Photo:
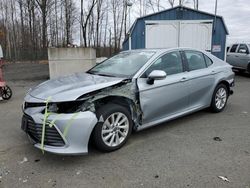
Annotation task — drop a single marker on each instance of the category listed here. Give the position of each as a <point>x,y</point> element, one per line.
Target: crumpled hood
<point>71,87</point>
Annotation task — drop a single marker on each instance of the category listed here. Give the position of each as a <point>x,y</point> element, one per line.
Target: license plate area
<point>24,124</point>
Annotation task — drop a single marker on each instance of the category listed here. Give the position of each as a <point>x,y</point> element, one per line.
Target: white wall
<point>66,61</point>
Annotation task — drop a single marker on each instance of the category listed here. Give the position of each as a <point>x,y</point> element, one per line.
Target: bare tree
<point>171,2</point>
<point>85,16</point>
<point>69,7</point>
<point>196,4</point>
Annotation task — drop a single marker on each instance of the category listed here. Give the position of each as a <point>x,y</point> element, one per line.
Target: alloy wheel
<point>221,98</point>
<point>6,92</point>
<point>115,129</point>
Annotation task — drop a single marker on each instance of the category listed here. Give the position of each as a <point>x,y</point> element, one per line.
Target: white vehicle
<point>238,55</point>
<point>1,52</point>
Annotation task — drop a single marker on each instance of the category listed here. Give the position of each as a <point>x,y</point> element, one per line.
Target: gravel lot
<point>180,153</point>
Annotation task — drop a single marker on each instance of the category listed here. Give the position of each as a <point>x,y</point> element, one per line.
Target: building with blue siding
<point>136,38</point>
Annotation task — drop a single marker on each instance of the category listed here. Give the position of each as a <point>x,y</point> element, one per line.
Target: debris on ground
<point>25,180</point>
<point>37,160</point>
<point>156,176</point>
<point>23,161</point>
<point>78,172</point>
<point>244,112</point>
<point>217,139</point>
<point>223,178</point>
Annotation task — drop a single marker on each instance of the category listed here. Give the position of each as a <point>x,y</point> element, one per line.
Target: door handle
<point>213,72</point>
<point>184,79</point>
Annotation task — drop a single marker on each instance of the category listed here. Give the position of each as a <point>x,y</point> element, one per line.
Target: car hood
<point>71,87</point>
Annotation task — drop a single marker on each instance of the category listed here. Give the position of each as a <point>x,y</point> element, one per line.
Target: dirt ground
<point>180,153</point>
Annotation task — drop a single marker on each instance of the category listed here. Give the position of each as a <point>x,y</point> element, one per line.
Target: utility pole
<point>215,15</point>
<point>129,5</point>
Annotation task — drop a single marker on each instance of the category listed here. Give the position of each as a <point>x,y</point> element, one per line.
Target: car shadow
<point>149,132</point>
<point>242,74</point>
<point>168,125</point>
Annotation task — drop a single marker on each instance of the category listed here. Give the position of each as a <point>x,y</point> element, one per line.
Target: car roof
<point>162,50</point>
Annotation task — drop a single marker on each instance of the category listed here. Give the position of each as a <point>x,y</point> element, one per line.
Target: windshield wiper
<point>101,74</point>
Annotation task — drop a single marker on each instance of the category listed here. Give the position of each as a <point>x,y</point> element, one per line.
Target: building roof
<point>177,7</point>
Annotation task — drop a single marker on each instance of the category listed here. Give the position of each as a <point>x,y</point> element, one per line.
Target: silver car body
<point>239,57</point>
<point>166,99</point>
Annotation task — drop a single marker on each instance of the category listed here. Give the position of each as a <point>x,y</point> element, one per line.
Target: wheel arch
<point>119,100</point>
<point>226,83</point>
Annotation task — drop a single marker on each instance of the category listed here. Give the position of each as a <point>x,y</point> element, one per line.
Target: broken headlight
<point>52,108</point>
<point>67,107</point>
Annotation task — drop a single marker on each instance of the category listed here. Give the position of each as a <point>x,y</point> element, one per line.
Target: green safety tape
<point>52,123</point>
<point>68,125</point>
<point>46,115</point>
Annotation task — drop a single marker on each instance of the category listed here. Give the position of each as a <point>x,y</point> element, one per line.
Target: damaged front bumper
<point>74,142</point>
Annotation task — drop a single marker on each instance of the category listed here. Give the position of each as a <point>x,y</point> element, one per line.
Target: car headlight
<point>67,107</point>
<point>52,108</point>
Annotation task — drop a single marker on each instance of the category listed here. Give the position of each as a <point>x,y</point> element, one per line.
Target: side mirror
<point>156,75</point>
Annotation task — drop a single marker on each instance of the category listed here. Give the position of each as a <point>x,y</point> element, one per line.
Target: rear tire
<point>6,92</point>
<point>113,128</point>
<point>219,100</point>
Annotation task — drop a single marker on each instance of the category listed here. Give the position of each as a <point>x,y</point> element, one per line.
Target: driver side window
<point>171,63</point>
<point>243,49</point>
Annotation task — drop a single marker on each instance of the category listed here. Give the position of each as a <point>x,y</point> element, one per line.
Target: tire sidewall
<point>102,114</point>
<point>213,104</point>
<point>6,86</point>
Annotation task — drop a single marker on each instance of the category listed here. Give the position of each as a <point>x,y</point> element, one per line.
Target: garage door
<point>167,34</point>
<point>156,36</point>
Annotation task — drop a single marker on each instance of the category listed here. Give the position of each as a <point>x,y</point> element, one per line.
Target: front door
<point>165,97</point>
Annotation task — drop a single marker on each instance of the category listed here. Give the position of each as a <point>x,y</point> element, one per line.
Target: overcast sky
<point>236,14</point>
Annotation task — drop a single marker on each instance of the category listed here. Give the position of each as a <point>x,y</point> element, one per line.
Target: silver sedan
<point>133,90</point>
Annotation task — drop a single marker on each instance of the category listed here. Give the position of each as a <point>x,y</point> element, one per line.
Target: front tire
<point>219,99</point>
<point>113,128</point>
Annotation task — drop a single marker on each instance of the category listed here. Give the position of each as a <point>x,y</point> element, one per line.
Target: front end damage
<point>68,126</point>
<point>124,93</point>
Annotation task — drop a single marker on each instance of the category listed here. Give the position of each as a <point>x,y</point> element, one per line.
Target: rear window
<point>208,60</point>
<point>195,60</point>
<point>234,47</point>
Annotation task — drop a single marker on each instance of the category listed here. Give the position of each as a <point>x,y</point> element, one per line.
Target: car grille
<point>31,105</point>
<point>51,138</point>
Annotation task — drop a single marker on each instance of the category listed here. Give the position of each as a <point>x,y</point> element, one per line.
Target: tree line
<point>29,27</point>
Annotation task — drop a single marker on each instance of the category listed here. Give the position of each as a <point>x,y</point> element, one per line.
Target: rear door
<point>165,97</point>
<point>201,78</point>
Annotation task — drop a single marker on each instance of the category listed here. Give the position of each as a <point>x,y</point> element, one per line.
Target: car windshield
<point>125,64</point>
